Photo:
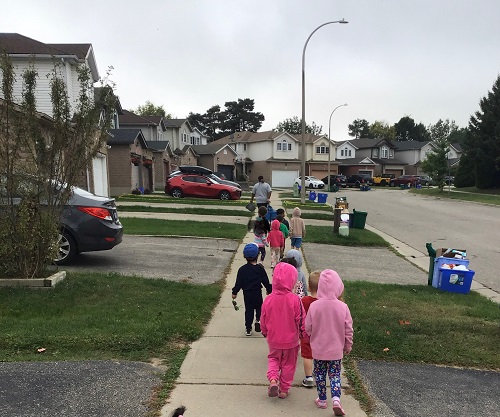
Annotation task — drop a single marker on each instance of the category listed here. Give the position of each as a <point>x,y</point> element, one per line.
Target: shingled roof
<point>126,137</point>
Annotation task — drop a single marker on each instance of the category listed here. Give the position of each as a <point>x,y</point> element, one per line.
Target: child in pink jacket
<point>282,323</point>
<point>329,326</point>
<point>275,240</point>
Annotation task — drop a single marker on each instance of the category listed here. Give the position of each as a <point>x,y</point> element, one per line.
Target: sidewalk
<point>224,373</point>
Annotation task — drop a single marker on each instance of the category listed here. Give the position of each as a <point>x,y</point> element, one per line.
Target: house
<point>368,156</point>
<point>179,132</point>
<point>65,59</point>
<point>162,157</point>
<point>277,156</point>
<point>198,138</point>
<point>132,161</point>
<point>153,127</point>
<point>218,158</point>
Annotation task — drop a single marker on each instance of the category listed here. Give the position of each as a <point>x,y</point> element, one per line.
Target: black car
<point>88,223</point>
<point>337,179</point>
<point>357,180</point>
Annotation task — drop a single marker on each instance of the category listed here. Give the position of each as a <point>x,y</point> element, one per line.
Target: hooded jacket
<point>295,254</point>
<point>297,226</point>
<point>275,236</point>
<point>283,315</point>
<point>329,321</point>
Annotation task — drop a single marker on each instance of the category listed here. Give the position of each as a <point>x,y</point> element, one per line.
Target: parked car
<point>310,182</point>
<point>356,180</point>
<point>338,179</point>
<point>426,180</point>
<point>195,185</point>
<point>410,180</point>
<point>449,179</point>
<point>383,179</point>
<point>191,169</point>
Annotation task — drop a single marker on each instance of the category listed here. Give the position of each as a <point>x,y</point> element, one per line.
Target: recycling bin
<point>359,219</point>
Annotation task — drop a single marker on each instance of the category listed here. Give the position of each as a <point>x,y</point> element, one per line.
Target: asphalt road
<point>416,220</point>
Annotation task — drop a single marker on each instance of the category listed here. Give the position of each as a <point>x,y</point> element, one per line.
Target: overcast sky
<point>428,59</point>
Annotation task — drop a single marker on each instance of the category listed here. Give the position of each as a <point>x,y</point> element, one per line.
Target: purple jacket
<point>283,315</point>
<point>329,321</point>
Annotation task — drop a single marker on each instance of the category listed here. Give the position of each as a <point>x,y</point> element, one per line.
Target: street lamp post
<point>330,141</point>
<point>303,142</point>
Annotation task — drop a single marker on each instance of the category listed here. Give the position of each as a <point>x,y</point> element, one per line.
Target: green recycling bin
<point>334,188</point>
<point>359,219</point>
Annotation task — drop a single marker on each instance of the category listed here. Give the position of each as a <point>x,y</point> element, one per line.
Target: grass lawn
<point>308,205</point>
<point>357,237</point>
<point>158,227</point>
<point>159,198</point>
<point>186,210</point>
<point>465,194</point>
<point>99,316</point>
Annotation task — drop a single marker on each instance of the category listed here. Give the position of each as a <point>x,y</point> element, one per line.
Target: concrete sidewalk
<point>224,373</point>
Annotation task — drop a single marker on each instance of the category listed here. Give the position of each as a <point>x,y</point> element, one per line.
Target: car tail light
<point>98,212</point>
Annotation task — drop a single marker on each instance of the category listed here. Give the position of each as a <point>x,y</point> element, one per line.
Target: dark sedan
<point>337,179</point>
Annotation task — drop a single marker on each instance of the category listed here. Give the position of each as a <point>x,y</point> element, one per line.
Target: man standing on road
<point>261,192</point>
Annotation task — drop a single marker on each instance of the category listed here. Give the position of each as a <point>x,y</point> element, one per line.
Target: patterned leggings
<point>321,368</point>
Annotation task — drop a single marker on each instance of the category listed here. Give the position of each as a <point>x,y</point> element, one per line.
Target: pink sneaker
<point>337,409</point>
<point>273,389</point>
<point>320,403</point>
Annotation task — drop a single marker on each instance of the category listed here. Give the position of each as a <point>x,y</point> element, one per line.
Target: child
<point>282,323</point>
<point>266,226</point>
<point>297,228</point>
<point>305,346</point>
<point>275,239</point>
<point>281,212</point>
<point>329,325</point>
<point>301,287</point>
<point>284,230</point>
<point>251,278</point>
<point>260,239</point>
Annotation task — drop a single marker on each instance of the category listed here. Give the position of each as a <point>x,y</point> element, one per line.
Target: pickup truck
<point>383,179</point>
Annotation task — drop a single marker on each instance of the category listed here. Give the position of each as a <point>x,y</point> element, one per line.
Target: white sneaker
<point>308,382</point>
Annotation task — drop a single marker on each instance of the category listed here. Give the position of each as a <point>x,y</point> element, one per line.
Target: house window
<point>349,152</point>
<point>225,151</point>
<point>375,153</point>
<point>283,146</point>
<point>322,149</point>
<point>391,153</point>
<point>384,152</point>
<point>341,152</point>
<point>244,146</point>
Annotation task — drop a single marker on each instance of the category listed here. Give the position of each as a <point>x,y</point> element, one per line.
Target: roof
<point>249,137</point>
<point>130,118</point>
<point>175,122</point>
<point>158,145</point>
<point>211,148</point>
<point>17,44</point>
<point>126,137</point>
<point>406,145</point>
<point>356,161</point>
<point>366,143</point>
<point>388,161</point>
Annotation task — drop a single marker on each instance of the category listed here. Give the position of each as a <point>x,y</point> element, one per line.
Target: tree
<point>436,162</point>
<point>294,127</point>
<point>380,129</point>
<point>482,144</point>
<point>238,116</point>
<point>41,157</point>
<point>406,129</point>
<point>151,109</point>
<point>359,128</point>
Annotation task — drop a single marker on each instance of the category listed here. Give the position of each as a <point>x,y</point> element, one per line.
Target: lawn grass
<point>357,237</point>
<point>186,210</point>
<point>158,198</point>
<point>465,194</point>
<point>103,316</point>
<point>158,227</point>
<point>308,205</point>
<point>443,328</point>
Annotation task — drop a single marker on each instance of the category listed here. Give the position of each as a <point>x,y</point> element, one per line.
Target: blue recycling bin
<point>312,196</point>
<point>322,198</point>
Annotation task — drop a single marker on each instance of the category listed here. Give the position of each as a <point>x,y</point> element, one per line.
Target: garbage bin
<point>351,220</point>
<point>432,257</point>
<point>312,196</point>
<point>334,188</point>
<point>322,198</point>
<point>296,189</point>
<point>359,219</point>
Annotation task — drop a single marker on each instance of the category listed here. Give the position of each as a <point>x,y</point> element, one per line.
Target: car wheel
<point>383,183</point>
<point>177,193</point>
<point>392,184</point>
<point>224,195</point>
<point>67,249</point>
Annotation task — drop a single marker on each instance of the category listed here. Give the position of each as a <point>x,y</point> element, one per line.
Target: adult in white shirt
<point>261,192</point>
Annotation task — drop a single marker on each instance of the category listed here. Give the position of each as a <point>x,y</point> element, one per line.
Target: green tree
<point>436,162</point>
<point>41,157</point>
<point>359,128</point>
<point>482,143</point>
<point>294,127</point>
<point>151,109</point>
<point>380,129</point>
<point>407,129</point>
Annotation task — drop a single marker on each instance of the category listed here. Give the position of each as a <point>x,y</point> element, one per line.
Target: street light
<point>303,157</point>
<point>330,141</point>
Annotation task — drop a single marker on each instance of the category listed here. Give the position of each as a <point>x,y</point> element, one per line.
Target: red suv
<point>410,180</point>
<point>195,185</point>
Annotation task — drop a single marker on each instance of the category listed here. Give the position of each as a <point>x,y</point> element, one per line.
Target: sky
<point>427,59</point>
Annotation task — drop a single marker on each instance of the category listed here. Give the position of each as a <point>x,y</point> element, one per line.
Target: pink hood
<point>329,321</point>
<point>283,316</point>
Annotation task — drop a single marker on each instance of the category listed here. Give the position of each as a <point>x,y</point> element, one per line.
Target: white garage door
<point>100,175</point>
<point>284,178</point>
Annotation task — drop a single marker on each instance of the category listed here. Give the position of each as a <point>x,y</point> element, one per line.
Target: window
<point>283,146</point>
<point>384,152</point>
<point>225,151</point>
<point>391,153</point>
<point>375,153</point>
<point>349,152</point>
<point>341,152</point>
<point>322,149</point>
<point>244,146</point>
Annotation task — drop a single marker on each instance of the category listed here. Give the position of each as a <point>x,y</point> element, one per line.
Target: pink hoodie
<point>329,321</point>
<point>275,236</point>
<point>283,315</point>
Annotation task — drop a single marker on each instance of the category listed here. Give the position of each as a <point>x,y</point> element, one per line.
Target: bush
<point>136,191</point>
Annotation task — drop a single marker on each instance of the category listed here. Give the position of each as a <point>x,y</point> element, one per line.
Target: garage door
<point>283,178</point>
<point>100,175</point>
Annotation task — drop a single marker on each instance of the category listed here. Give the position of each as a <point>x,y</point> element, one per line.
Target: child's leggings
<point>321,369</point>
<point>262,251</point>
<point>281,364</point>
<point>275,255</point>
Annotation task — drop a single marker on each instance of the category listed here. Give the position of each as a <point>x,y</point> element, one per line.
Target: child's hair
<point>262,211</point>
<point>313,281</point>
<point>179,412</point>
<point>280,211</point>
<point>290,261</point>
<point>258,227</point>
<point>279,217</point>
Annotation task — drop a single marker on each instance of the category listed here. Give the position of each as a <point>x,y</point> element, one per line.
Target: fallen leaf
<point>363,293</point>
<point>404,322</point>
<point>386,349</point>
<point>41,350</point>
<point>388,332</point>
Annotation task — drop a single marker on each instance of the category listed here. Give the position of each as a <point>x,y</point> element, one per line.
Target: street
<point>416,220</point>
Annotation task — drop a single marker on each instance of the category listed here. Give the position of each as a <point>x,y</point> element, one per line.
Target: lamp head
<point>343,21</point>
